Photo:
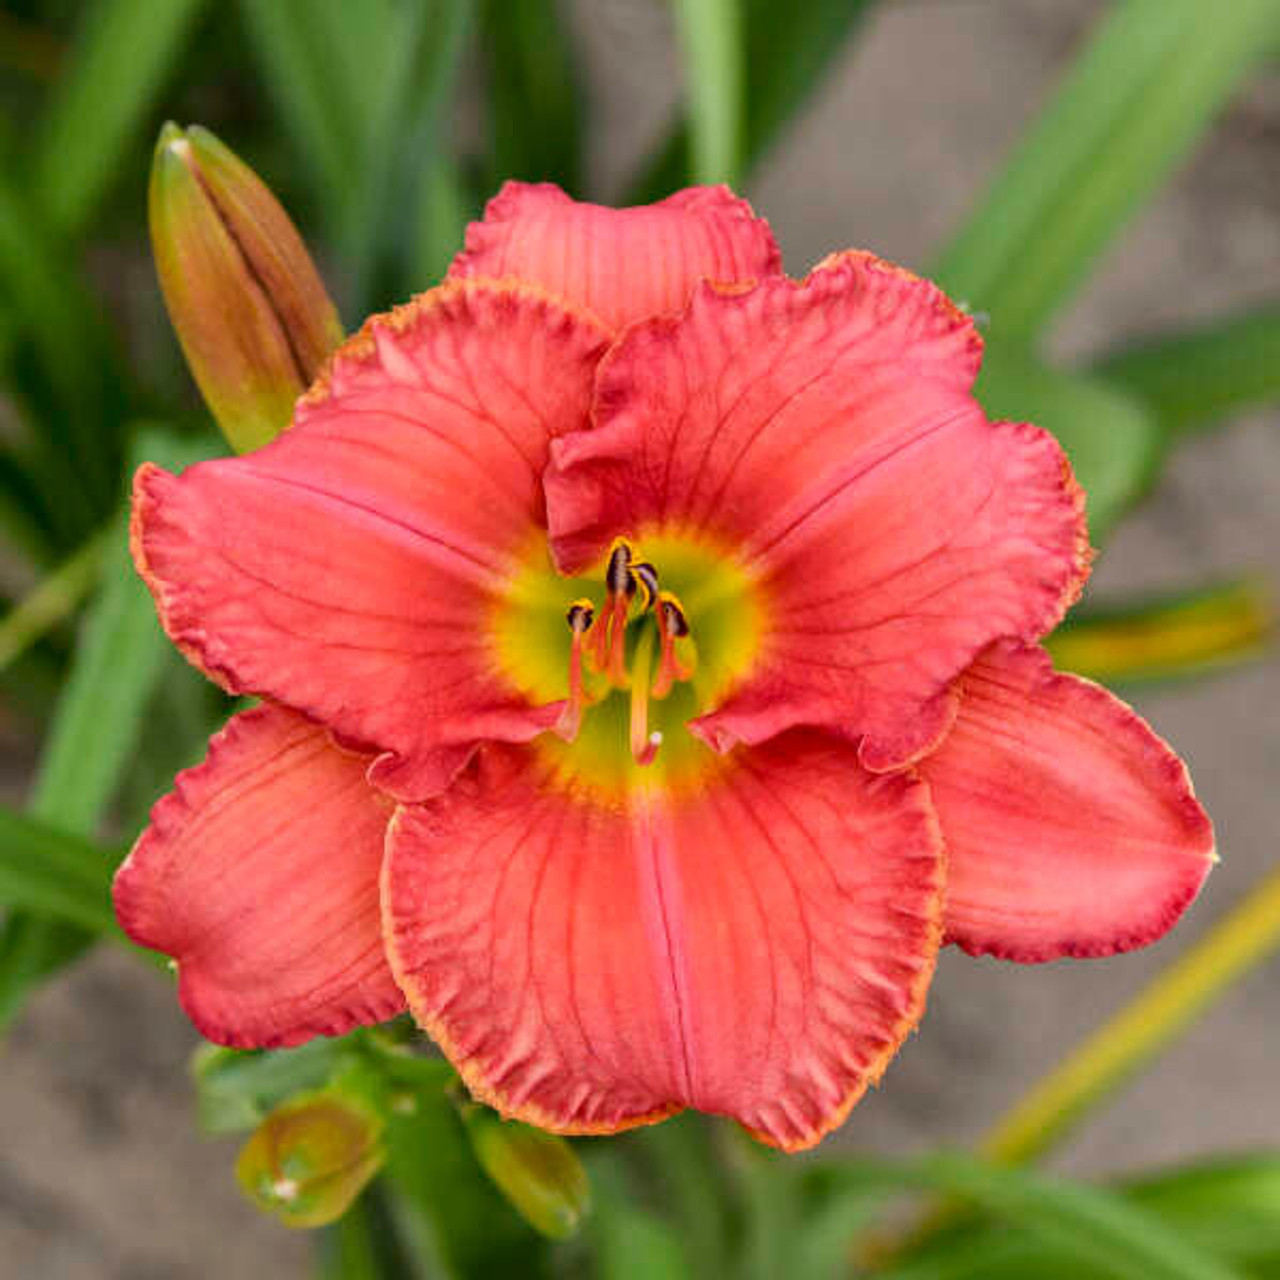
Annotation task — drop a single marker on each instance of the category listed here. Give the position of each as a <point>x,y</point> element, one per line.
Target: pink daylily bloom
<point>648,648</point>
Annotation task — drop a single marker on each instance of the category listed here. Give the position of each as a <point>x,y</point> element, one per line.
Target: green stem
<point>1166,1007</point>
<point>685,1165</point>
<point>53,599</point>
<point>1132,106</point>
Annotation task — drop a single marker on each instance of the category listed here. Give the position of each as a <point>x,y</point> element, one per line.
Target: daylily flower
<point>648,648</point>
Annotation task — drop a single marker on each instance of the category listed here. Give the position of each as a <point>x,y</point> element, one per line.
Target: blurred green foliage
<point>382,176</point>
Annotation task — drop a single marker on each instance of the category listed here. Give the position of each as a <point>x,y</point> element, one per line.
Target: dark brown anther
<point>617,578</point>
<point>647,576</point>
<point>580,615</point>
<point>673,617</point>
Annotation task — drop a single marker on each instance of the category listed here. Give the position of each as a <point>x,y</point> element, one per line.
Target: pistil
<point>644,745</point>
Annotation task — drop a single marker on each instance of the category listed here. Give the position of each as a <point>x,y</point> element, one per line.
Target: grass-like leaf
<point>122,54</point>
<point>1104,1232</point>
<point>62,372</point>
<point>118,664</point>
<point>54,598</point>
<point>1170,637</point>
<point>534,99</point>
<point>47,870</point>
<point>715,91</point>
<point>1230,1204</point>
<point>1227,1207</point>
<point>1130,108</point>
<point>789,51</point>
<point>1193,380</point>
<point>305,69</point>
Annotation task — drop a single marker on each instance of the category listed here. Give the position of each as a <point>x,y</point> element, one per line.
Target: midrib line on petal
<point>654,847</point>
<point>471,560</point>
<point>767,540</point>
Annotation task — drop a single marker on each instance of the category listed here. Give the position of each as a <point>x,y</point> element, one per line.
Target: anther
<point>617,578</point>
<point>673,615</point>
<point>647,576</point>
<point>579,616</point>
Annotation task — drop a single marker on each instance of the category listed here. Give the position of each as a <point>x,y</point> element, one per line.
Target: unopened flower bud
<point>311,1157</point>
<point>539,1173</point>
<point>248,305</point>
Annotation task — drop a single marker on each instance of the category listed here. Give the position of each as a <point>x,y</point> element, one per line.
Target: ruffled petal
<point>351,568</point>
<point>620,264</point>
<point>826,435</point>
<point>756,946</point>
<point>259,876</point>
<point>1071,828</point>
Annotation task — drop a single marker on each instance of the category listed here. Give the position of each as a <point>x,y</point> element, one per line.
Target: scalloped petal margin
<point>825,434</point>
<point>259,876</point>
<point>1071,828</point>
<point>758,947</point>
<point>621,265</point>
<point>349,568</point>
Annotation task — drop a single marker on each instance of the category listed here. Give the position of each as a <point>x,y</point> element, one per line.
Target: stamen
<point>644,745</point>
<point>608,640</point>
<point>579,616</point>
<point>673,625</point>
<point>598,640</point>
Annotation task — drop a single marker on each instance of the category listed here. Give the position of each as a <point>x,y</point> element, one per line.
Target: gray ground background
<point>101,1171</point>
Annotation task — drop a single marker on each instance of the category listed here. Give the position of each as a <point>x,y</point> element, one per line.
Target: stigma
<point>613,648</point>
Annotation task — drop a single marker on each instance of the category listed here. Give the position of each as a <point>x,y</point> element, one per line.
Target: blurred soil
<point>102,1173</point>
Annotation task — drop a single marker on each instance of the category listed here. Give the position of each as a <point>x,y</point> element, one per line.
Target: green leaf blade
<point>1130,109</point>
<point>46,870</point>
<point>1114,444</point>
<point>124,50</point>
<point>1193,380</point>
<point>788,53</point>
<point>1113,1237</point>
<point>711,39</point>
<point>1168,637</point>
<point>534,95</point>
<point>119,664</point>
